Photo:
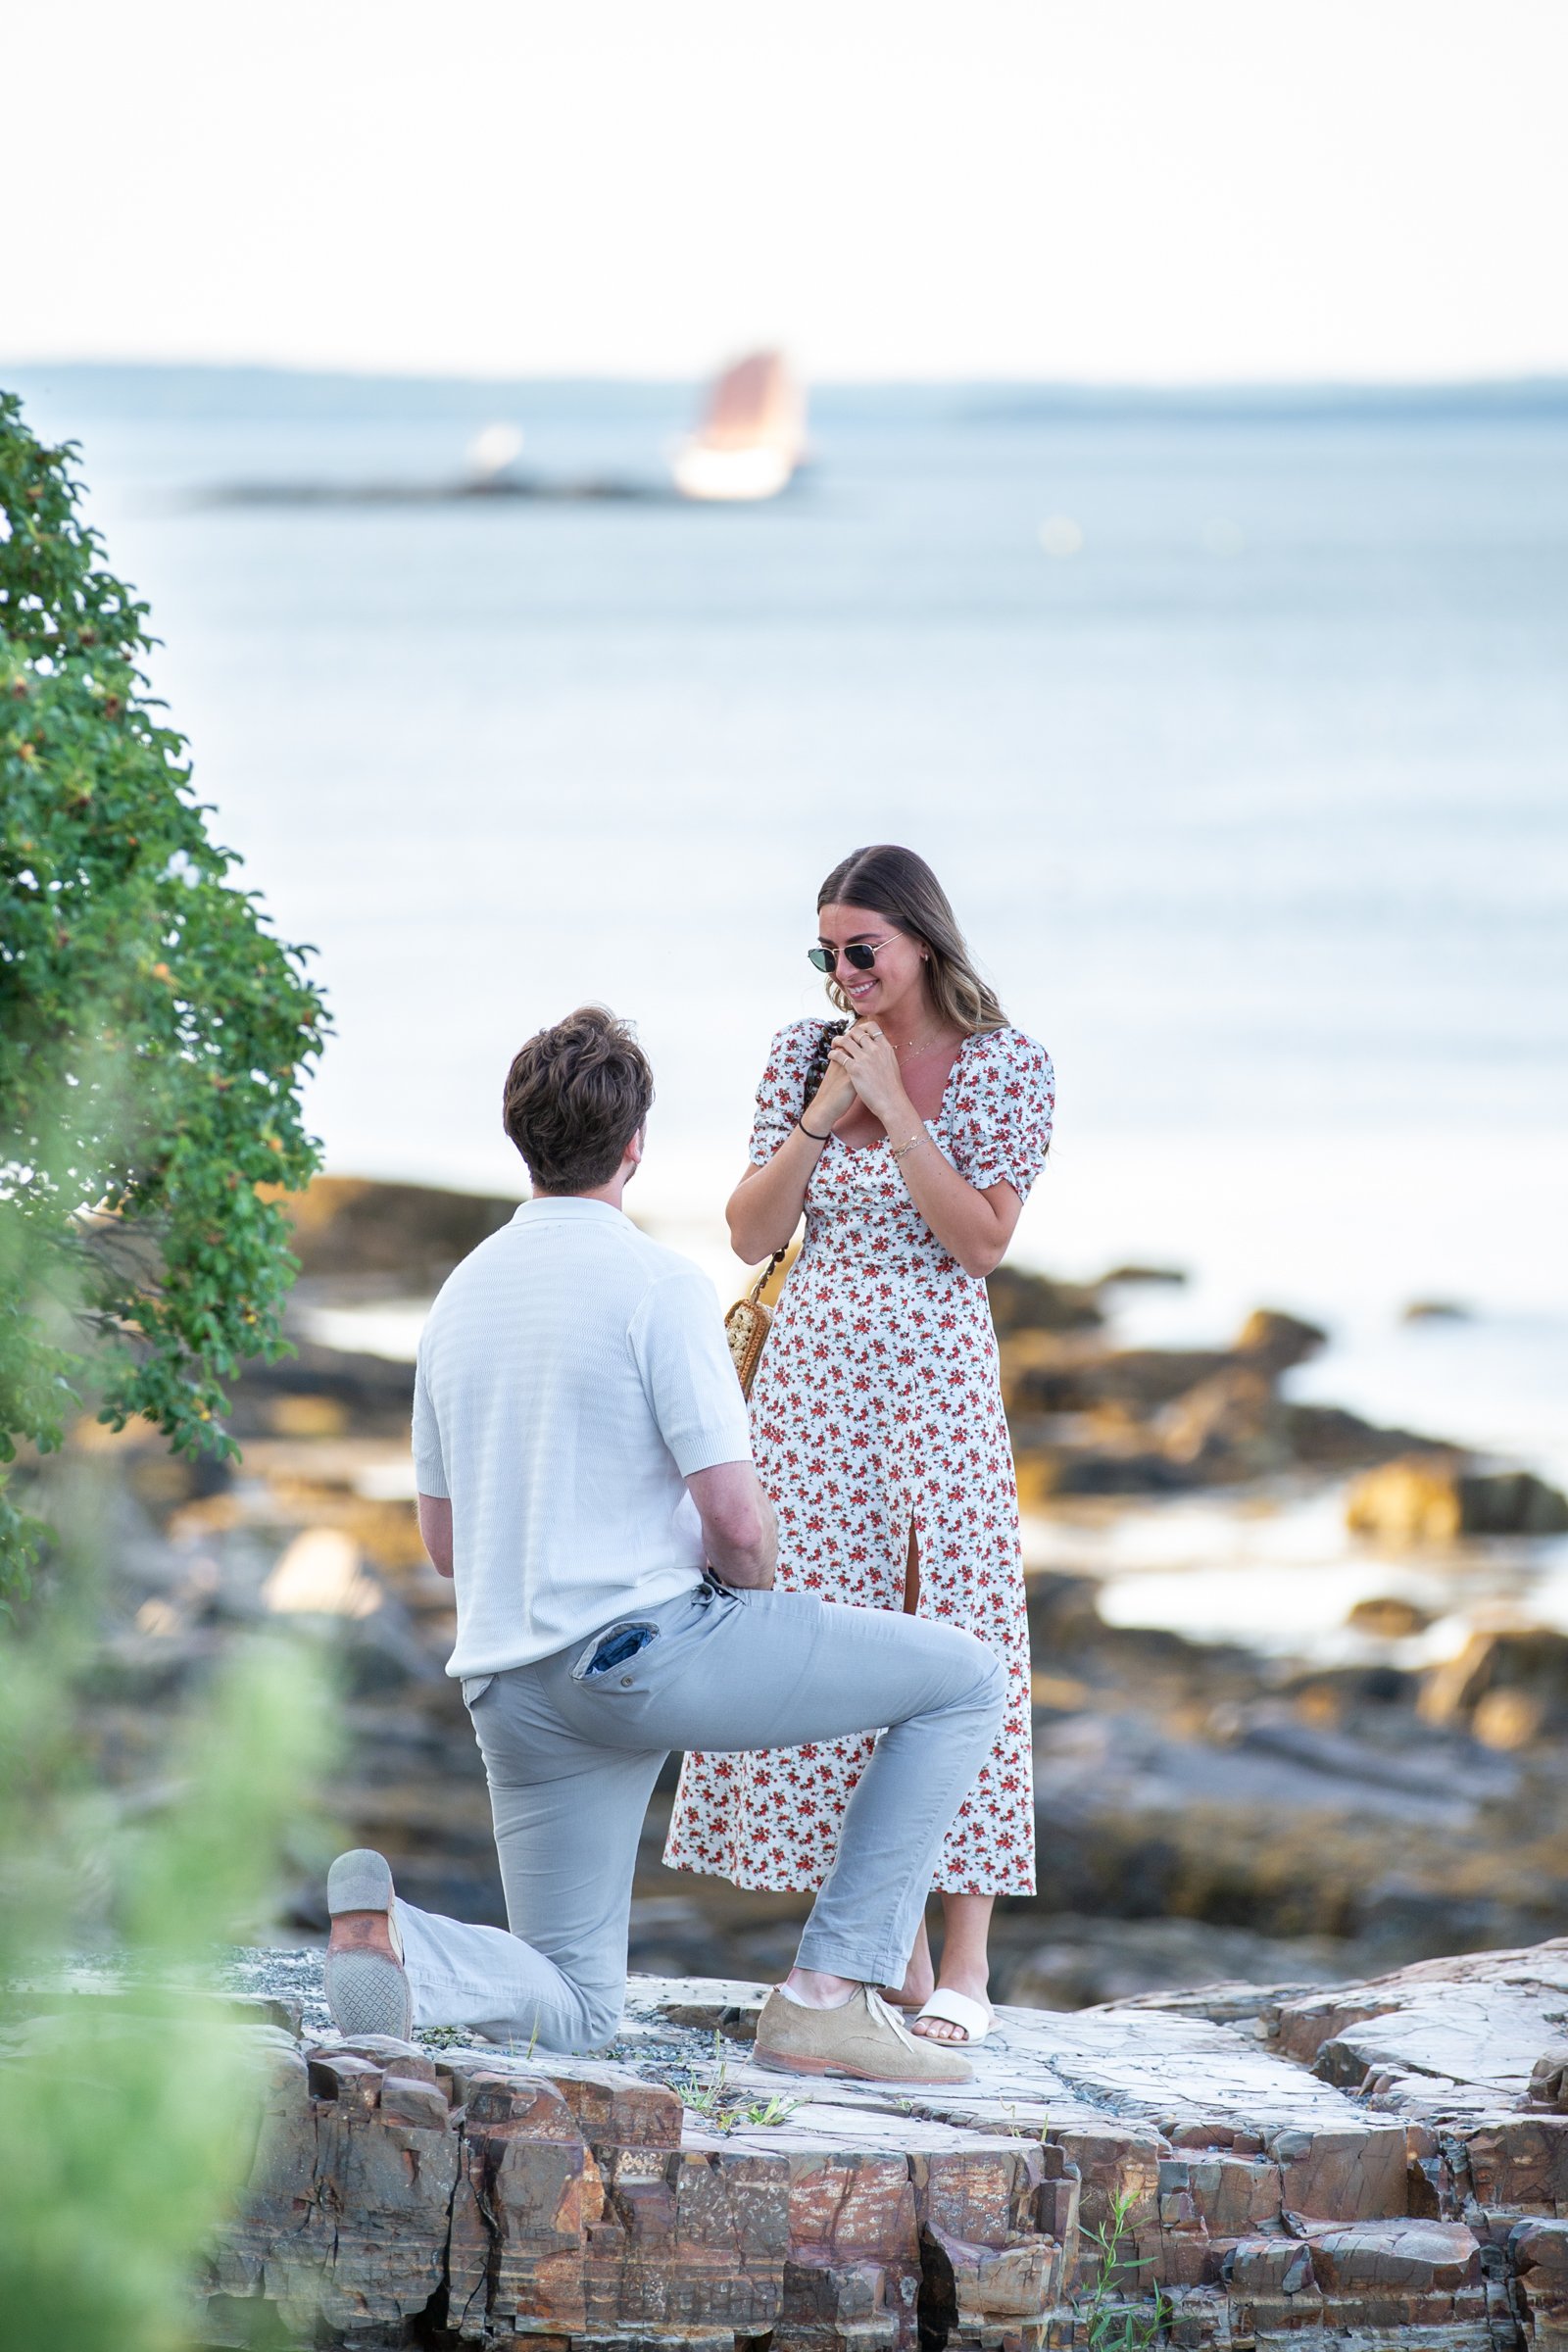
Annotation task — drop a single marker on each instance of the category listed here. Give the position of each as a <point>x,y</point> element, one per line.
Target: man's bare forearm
<point>749,1566</point>
<point>740,1533</point>
<point>435,1528</point>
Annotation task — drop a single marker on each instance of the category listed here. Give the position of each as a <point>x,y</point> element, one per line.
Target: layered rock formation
<point>1378,2165</point>
<point>1091,1418</point>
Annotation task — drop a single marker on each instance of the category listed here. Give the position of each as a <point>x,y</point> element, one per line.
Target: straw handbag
<point>747,1326</point>
<point>748,1321</point>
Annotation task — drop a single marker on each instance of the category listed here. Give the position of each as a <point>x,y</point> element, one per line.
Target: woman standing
<point>876,1417</point>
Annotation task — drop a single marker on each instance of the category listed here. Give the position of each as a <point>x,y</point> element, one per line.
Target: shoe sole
<point>367,1992</point>
<point>858,2073</point>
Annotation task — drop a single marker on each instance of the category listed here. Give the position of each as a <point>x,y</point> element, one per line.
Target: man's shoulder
<point>614,1252</point>
<point>659,1267</point>
<point>603,1260</point>
<point>481,1266</point>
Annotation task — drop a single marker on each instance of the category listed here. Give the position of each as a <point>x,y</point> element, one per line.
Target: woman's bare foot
<point>966,1927</point>
<point>919,1978</point>
<point>971,1982</point>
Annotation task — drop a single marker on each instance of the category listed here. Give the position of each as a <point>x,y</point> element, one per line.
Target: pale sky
<point>1128,189</point>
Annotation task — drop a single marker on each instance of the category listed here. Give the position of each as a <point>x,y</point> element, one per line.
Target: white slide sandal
<point>956,2009</point>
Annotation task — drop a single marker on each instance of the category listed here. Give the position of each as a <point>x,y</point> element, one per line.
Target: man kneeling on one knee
<point>584,1472</point>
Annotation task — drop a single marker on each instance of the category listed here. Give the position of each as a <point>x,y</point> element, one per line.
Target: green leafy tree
<point>152,1029</point>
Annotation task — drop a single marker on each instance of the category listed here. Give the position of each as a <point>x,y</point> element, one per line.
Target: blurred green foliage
<point>129,2116</point>
<point>152,1030</point>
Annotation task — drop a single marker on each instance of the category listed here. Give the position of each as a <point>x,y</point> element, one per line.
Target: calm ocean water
<point>1255,807</point>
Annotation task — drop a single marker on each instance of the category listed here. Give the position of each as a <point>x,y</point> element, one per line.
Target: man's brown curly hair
<point>575,1098</point>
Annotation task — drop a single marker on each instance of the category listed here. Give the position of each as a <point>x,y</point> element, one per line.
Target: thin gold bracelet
<point>917,1137</point>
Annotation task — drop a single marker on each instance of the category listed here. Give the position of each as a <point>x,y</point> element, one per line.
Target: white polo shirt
<point>571,1375</point>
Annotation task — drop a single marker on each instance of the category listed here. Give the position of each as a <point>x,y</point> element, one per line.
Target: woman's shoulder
<point>1007,1053</point>
<point>1005,1103</point>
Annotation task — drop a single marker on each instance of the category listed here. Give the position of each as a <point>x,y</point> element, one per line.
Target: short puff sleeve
<point>1004,1103</point>
<point>781,1091</point>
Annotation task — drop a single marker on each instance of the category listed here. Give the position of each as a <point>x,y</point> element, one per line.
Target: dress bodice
<point>993,1125</point>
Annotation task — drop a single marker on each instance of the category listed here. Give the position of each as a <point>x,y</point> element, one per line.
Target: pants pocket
<point>616,1646</point>
<point>474,1686</point>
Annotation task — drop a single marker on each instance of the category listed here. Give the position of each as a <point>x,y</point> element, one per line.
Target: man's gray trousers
<point>572,1747</point>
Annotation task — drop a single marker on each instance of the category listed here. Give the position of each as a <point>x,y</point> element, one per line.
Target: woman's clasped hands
<point>869,1062</point>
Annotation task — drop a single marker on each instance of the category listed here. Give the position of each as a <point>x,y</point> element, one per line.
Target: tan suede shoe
<point>862,2039</point>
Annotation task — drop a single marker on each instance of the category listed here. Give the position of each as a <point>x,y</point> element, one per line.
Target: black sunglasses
<point>861,954</point>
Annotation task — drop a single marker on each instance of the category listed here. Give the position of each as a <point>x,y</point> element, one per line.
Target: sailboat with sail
<point>753,437</point>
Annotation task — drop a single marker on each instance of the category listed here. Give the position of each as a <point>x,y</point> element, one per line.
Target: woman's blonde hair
<point>895,883</point>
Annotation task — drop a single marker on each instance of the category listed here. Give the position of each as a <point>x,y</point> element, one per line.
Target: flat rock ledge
<point>1382,2164</point>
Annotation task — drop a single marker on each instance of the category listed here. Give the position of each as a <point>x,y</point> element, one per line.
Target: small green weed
<point>1112,2323</point>
<point>724,2108</point>
<point>776,2110</point>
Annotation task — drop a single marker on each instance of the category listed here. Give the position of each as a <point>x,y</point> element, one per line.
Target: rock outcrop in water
<point>1377,2165</point>
<point>1090,1418</point>
<point>1433,1497</point>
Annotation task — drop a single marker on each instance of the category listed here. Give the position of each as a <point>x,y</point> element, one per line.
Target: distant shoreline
<point>1540,398</point>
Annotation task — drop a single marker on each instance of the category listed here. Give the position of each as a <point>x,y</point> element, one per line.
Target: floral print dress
<point>877,1407</point>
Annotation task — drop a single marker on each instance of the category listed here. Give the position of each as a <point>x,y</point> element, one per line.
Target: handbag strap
<point>816,1071</point>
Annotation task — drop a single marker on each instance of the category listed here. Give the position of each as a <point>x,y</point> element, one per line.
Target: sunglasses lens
<point>862,956</point>
<point>823,959</point>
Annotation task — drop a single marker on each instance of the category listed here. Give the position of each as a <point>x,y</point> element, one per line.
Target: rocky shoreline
<point>1376,2165</point>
